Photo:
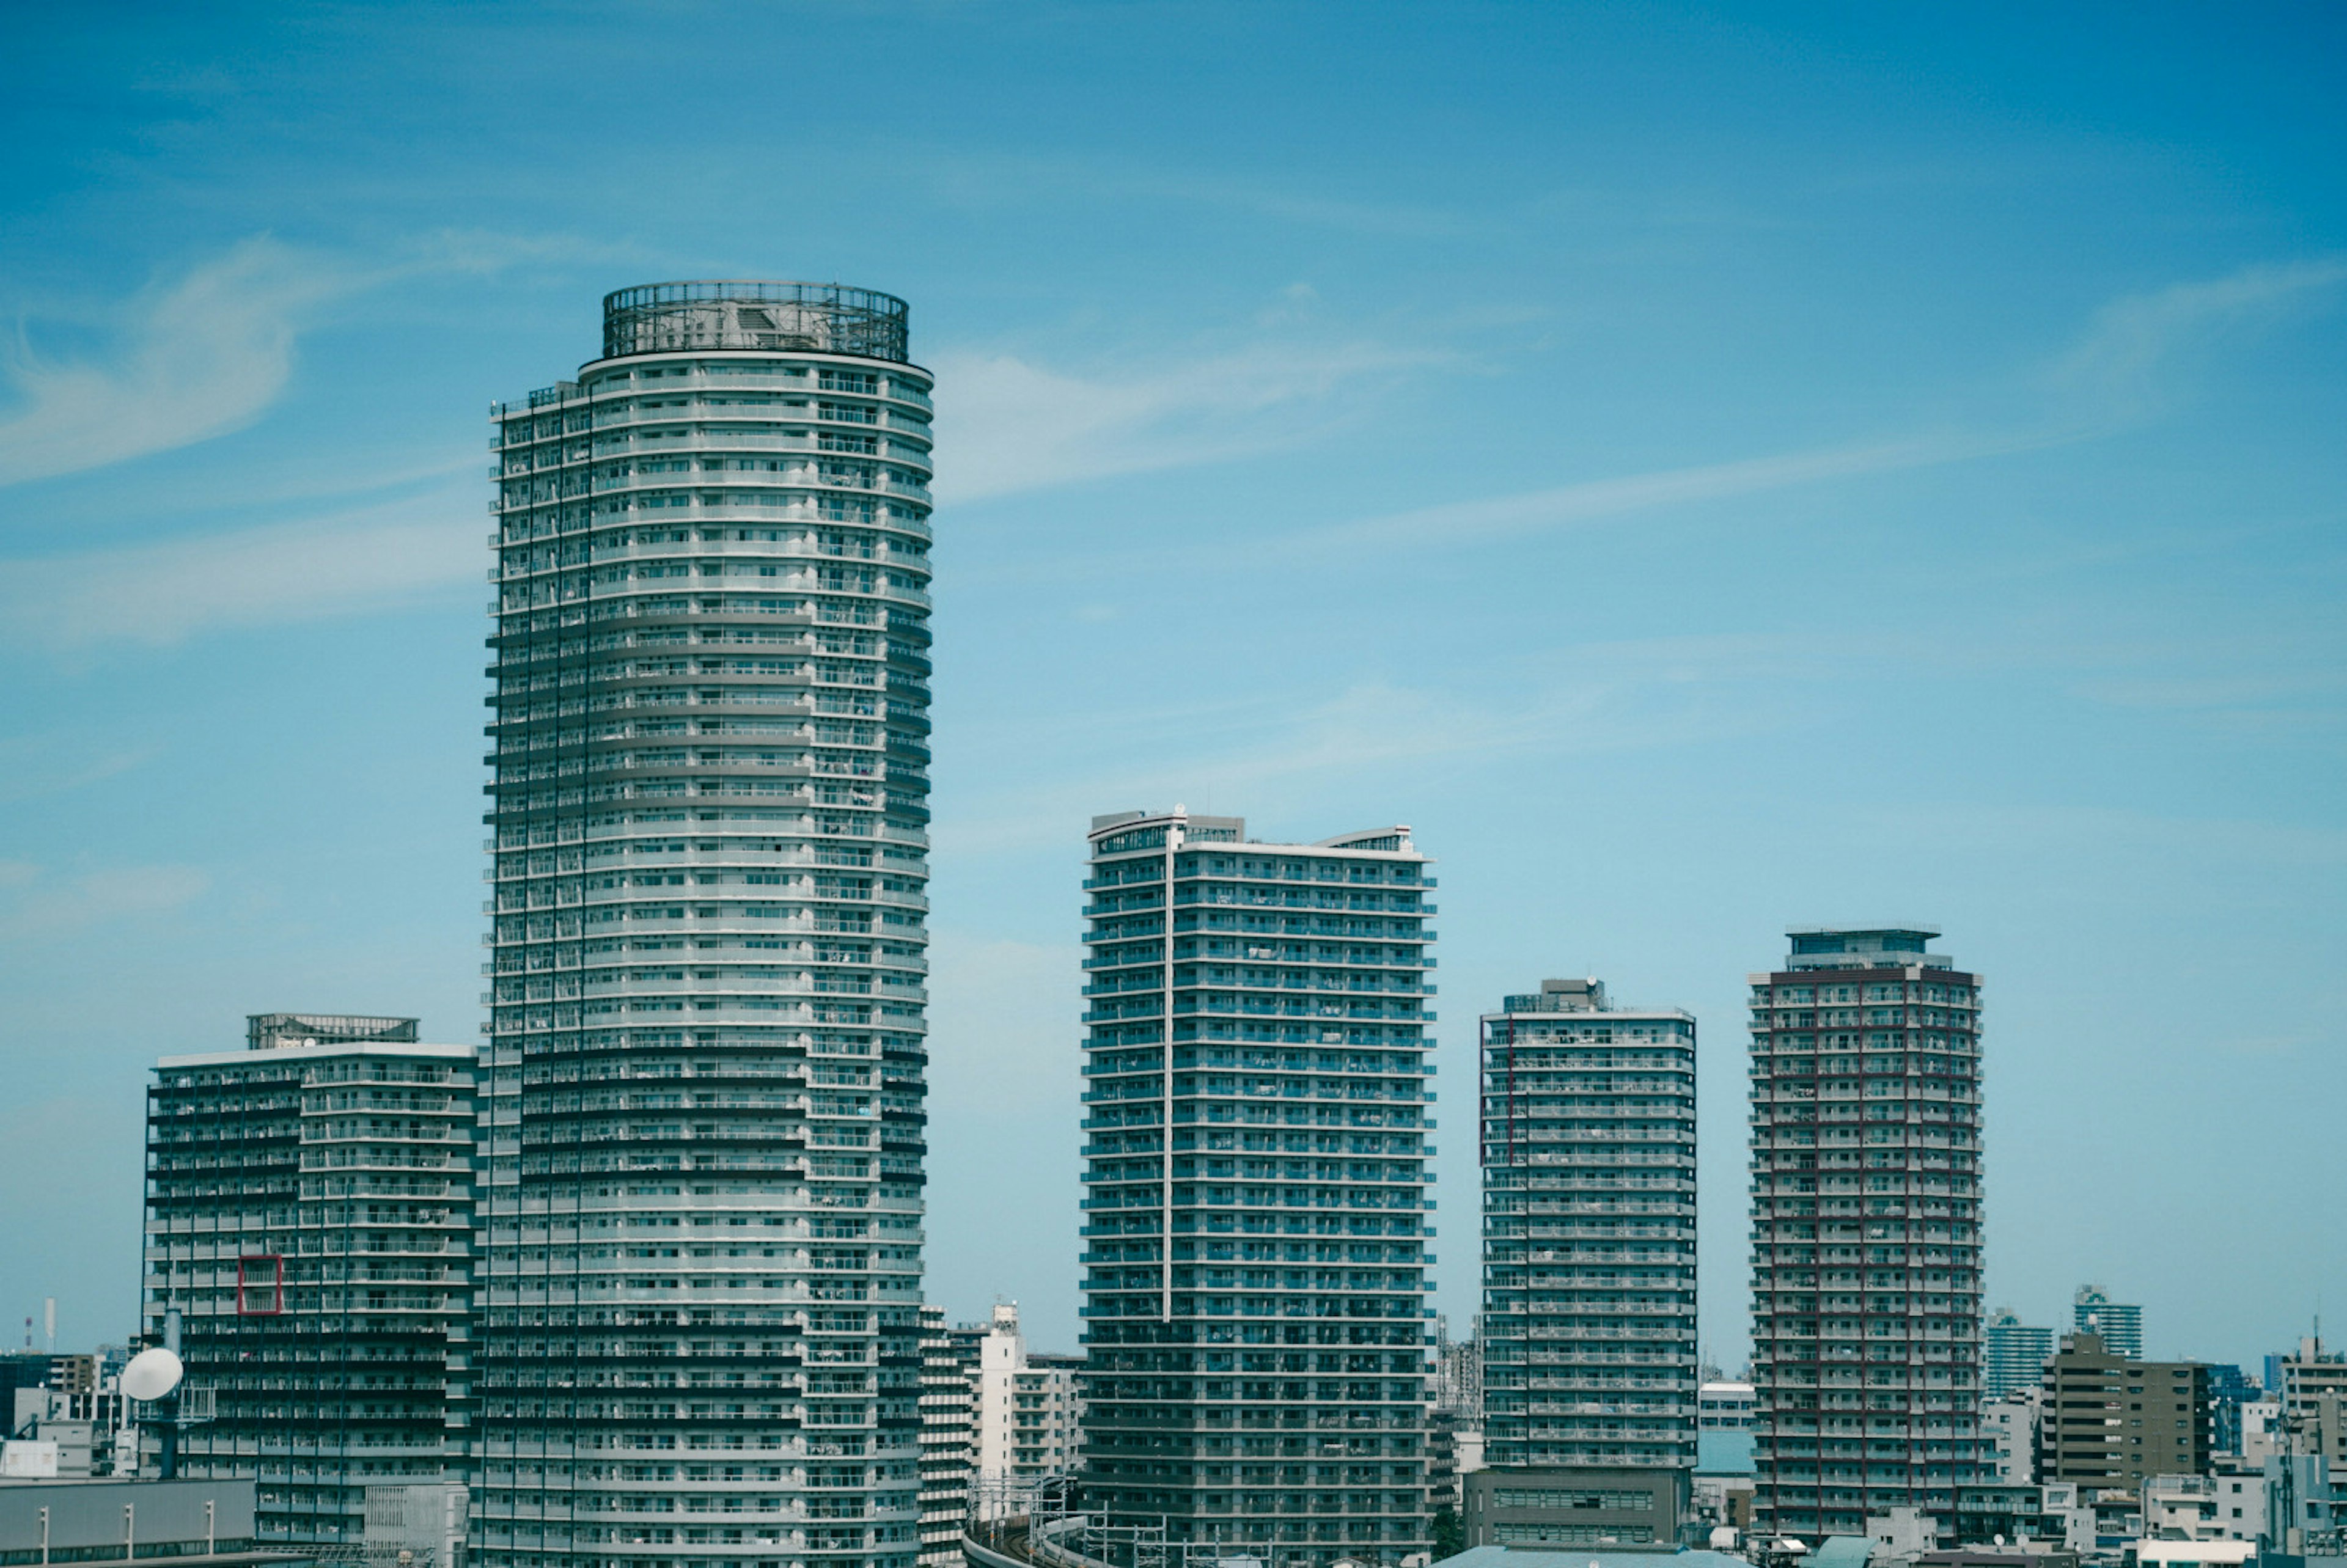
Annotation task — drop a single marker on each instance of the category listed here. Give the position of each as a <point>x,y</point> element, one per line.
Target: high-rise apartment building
<point>2117,1324</point>
<point>1589,1246</point>
<point>699,1337</point>
<point>1866,1230</point>
<point>1257,1188</point>
<point>2013,1354</point>
<point>309,1207</point>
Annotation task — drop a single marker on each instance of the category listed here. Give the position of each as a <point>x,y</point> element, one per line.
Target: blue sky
<point>1706,470</point>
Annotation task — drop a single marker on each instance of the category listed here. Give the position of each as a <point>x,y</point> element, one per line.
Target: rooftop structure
<point>276,1031</point>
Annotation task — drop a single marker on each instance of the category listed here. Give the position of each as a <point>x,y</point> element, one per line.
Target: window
<point>261,1284</point>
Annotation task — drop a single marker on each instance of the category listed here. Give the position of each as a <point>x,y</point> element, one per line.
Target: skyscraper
<point>310,1227</point>
<point>1256,1186</point>
<point>2013,1354</point>
<point>697,1321</point>
<point>1589,1246</point>
<point>1866,1221</point>
<point>2118,1325</point>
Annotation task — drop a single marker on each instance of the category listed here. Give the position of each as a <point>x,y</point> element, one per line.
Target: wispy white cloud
<point>36,765</point>
<point>165,592</point>
<point>2122,370</point>
<point>33,904</point>
<point>1587,700</point>
<point>2120,373</point>
<point>1006,424</point>
<point>204,356</point>
<point>208,354</point>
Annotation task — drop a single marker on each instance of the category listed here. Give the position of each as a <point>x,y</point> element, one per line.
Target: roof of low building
<point>1582,1557</point>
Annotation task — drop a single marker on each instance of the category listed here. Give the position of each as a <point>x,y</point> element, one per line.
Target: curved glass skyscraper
<point>697,1312</point>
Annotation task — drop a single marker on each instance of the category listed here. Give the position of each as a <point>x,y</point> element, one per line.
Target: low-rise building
<point>203,1523</point>
<point>1576,1505</point>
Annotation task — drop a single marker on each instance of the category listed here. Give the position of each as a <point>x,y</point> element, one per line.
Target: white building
<point>1724,1406</point>
<point>2313,1396</point>
<point>2261,1429</point>
<point>2226,1506</point>
<point>2009,1439</point>
<point>1027,1405</point>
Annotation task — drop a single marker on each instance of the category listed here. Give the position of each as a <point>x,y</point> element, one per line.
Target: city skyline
<point>1809,390</point>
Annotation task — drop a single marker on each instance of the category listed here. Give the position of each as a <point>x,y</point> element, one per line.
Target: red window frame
<point>251,1277</point>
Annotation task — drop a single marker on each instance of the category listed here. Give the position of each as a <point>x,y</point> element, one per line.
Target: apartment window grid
<point>1255,1188</point>
<point>310,1219</point>
<point>1866,1230</point>
<point>699,1335</point>
<point>1589,1344</point>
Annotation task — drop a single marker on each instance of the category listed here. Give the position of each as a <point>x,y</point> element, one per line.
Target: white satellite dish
<point>151,1374</point>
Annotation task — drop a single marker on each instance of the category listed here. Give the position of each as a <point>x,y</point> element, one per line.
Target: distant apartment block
<point>2117,1324</point>
<point>310,1206</point>
<point>1866,1227</point>
<point>2012,1354</point>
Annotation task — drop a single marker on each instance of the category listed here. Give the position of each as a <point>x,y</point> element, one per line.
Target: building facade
<point>2109,1421</point>
<point>1589,1246</point>
<point>698,1336</point>
<point>2312,1392</point>
<point>1866,1230</point>
<point>2009,1433</point>
<point>1257,1188</point>
<point>2118,1325</point>
<point>2012,1354</point>
<point>949,1439</point>
<point>310,1212</point>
